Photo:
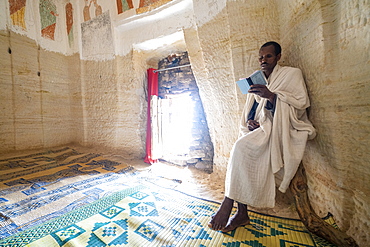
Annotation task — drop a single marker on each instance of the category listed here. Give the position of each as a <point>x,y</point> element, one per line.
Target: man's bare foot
<point>239,219</point>
<point>220,219</point>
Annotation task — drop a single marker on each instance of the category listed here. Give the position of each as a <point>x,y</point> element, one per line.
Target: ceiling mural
<point>148,5</point>
<point>62,21</point>
<point>97,38</point>
<point>124,5</point>
<point>98,9</point>
<point>48,15</point>
<point>17,8</point>
<point>69,22</point>
<point>86,10</point>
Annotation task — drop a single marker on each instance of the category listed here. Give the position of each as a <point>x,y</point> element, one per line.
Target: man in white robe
<point>273,136</point>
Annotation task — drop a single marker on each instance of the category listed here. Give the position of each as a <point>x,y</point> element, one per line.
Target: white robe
<point>276,147</point>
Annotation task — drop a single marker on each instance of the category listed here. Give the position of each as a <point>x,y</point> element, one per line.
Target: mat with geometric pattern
<point>62,197</point>
<point>149,215</point>
<point>37,187</point>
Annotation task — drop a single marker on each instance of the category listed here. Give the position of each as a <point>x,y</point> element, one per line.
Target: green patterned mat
<point>149,215</point>
<point>62,197</point>
<point>38,187</point>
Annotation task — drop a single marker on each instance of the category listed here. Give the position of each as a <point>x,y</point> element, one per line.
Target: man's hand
<point>252,125</point>
<point>262,91</point>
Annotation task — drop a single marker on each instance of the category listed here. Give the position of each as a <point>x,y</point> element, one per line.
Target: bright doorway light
<point>177,121</point>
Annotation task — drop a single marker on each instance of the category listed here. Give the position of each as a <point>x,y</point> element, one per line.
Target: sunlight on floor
<point>193,181</point>
<point>169,171</point>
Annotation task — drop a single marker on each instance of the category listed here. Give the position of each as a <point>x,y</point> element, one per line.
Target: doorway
<point>181,135</point>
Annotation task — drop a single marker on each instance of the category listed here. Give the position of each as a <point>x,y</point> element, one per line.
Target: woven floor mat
<point>38,187</point>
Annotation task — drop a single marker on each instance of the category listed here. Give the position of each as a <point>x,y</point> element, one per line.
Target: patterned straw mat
<point>120,208</point>
<point>38,187</point>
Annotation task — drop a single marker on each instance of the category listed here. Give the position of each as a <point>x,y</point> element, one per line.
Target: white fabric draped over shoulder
<point>276,146</point>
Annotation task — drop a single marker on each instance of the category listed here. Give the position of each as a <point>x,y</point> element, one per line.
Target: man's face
<point>267,58</point>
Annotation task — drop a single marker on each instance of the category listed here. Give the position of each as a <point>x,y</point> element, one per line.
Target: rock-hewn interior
<point>66,80</point>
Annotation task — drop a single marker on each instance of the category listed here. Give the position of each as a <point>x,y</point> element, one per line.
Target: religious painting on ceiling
<point>86,9</point>
<point>69,22</point>
<point>98,9</point>
<point>123,5</point>
<point>148,5</point>
<point>48,15</point>
<point>97,38</point>
<point>17,9</point>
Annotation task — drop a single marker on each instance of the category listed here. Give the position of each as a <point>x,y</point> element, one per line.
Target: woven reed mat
<point>66,198</point>
<point>149,215</point>
<point>41,186</point>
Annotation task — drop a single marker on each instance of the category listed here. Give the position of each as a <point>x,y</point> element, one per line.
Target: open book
<point>256,78</point>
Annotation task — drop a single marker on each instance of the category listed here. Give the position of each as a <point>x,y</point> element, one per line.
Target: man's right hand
<point>252,125</point>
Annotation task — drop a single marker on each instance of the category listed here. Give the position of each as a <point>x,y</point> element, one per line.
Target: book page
<point>258,78</point>
<point>243,85</point>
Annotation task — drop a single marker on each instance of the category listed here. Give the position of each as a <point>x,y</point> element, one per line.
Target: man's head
<point>276,46</point>
<point>269,55</point>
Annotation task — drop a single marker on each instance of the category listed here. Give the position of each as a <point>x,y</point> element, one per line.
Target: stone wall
<point>113,104</point>
<point>40,104</point>
<point>50,99</point>
<point>210,53</point>
<point>324,37</point>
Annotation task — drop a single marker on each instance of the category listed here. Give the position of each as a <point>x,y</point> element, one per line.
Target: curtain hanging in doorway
<point>152,90</point>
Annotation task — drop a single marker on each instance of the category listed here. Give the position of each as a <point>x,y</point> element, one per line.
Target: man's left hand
<point>262,91</point>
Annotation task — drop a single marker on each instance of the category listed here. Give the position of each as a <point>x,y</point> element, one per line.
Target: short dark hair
<point>277,47</point>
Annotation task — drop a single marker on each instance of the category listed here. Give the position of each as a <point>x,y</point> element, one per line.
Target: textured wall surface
<point>334,36</point>
<point>218,81</point>
<point>37,95</point>
<point>112,105</point>
<point>50,99</point>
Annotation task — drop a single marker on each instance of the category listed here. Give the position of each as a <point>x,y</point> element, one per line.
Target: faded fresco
<point>17,8</point>
<point>98,9</point>
<point>123,5</point>
<point>48,14</point>
<point>97,38</point>
<point>69,23</point>
<point>86,11</point>
<point>148,5</point>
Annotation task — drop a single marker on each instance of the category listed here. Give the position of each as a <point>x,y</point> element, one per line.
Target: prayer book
<point>256,78</point>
